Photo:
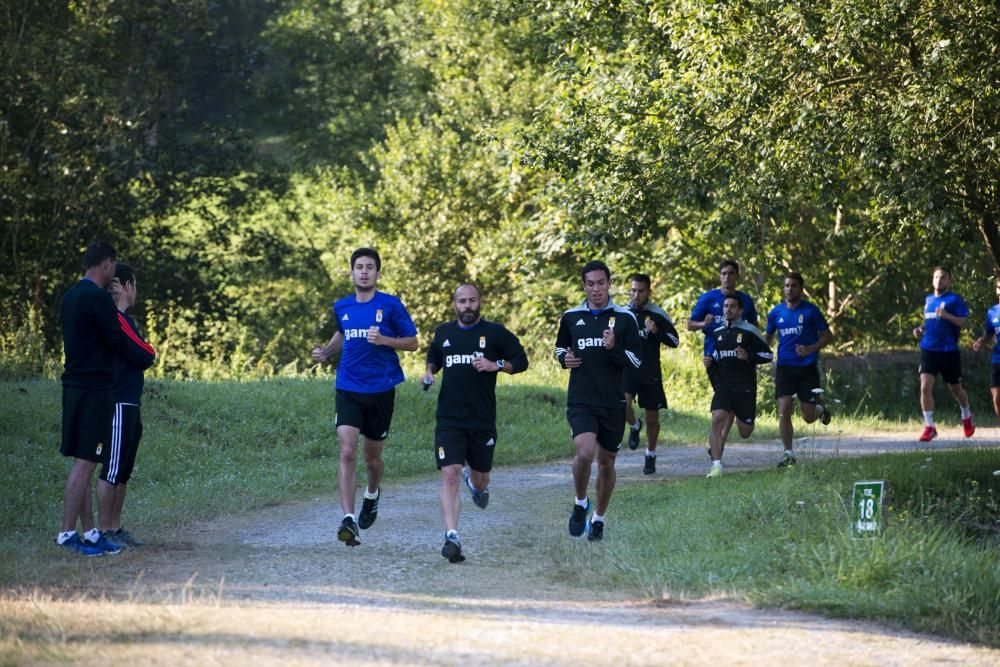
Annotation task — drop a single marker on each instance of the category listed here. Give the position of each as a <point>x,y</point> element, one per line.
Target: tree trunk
<point>988,226</point>
<point>831,301</point>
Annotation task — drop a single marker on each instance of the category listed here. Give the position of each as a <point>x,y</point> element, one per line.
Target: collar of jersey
<point>610,306</point>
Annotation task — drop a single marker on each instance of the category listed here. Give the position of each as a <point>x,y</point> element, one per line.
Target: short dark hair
<point>595,265</point>
<point>124,273</point>
<point>729,262</point>
<point>941,267</point>
<point>795,275</point>
<point>97,252</point>
<point>472,285</point>
<point>367,252</point>
<point>734,297</point>
<point>640,278</point>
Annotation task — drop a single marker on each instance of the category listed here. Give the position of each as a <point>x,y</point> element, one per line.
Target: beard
<point>468,316</point>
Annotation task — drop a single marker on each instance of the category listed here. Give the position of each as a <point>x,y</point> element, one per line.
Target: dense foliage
<point>237,150</point>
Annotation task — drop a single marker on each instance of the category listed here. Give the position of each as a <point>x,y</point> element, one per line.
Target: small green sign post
<point>867,514</point>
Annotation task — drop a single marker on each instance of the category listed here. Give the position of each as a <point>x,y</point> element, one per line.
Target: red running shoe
<point>929,434</point>
<point>968,426</point>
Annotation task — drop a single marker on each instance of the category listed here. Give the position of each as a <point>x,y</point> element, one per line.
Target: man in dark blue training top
<point>738,348</point>
<point>126,426</point>
<point>802,333</point>
<point>371,327</point>
<point>94,335</point>
<point>596,341</point>
<point>945,314</point>
<point>470,352</point>
<point>992,330</point>
<point>645,382</point>
<point>707,313</point>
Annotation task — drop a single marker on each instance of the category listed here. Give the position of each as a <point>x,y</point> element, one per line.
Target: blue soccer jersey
<point>940,335</point>
<point>796,326</point>
<point>993,327</point>
<point>710,303</point>
<point>364,367</point>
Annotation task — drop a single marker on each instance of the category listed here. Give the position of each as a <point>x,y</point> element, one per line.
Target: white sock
<point>597,517</point>
<point>92,535</point>
<point>451,535</point>
<point>371,496</point>
<point>637,425</point>
<point>789,452</point>
<point>650,452</point>
<point>966,412</point>
<point>349,515</point>
<point>581,503</point>
<point>716,464</point>
<point>68,535</point>
<point>928,418</point>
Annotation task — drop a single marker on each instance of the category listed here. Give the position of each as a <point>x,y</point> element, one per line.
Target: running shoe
<point>122,536</point>
<point>578,519</point>
<point>633,436</point>
<point>650,466</point>
<point>452,549</point>
<point>929,434</point>
<point>104,544</point>
<point>80,546</point>
<point>968,427</point>
<point>369,511</point>
<point>348,532</point>
<point>714,471</point>
<point>480,498</point>
<point>825,418</point>
<point>787,461</point>
<point>596,533</point>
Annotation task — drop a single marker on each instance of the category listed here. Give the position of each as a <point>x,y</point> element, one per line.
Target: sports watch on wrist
<point>500,364</point>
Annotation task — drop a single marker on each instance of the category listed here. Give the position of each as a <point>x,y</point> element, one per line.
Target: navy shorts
<point>607,423</point>
<point>797,381</point>
<point>650,393</point>
<point>741,402</point>
<point>458,446</point>
<point>86,423</point>
<point>948,364</point>
<point>126,431</point>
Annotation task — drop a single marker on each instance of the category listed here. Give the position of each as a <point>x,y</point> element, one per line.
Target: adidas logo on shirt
<point>781,320</point>
<point>446,343</point>
<point>580,322</point>
<point>345,317</point>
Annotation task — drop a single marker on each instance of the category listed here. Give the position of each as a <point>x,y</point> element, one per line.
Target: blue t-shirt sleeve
<point>336,318</point>
<point>750,314</point>
<point>402,324</point>
<point>771,325</point>
<point>961,310</point>
<point>700,308</point>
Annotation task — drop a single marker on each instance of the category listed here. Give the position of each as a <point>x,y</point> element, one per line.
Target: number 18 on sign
<point>867,518</point>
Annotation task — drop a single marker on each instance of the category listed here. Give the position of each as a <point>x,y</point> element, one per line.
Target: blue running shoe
<point>480,498</point>
<point>106,545</point>
<point>76,544</point>
<point>578,521</point>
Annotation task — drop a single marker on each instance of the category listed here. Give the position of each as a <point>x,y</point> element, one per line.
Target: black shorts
<point>995,377</point>
<point>126,431</point>
<point>607,423</point>
<point>797,381</point>
<point>741,402</point>
<point>948,364</point>
<point>650,393</point>
<point>711,370</point>
<point>458,446</point>
<point>86,423</point>
<point>369,413</point>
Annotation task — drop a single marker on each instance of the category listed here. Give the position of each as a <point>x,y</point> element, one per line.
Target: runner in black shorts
<point>371,327</point>
<point>738,349</point>
<point>646,382</point>
<point>94,336</point>
<point>945,313</point>
<point>126,426</point>
<point>802,332</point>
<point>596,341</point>
<point>992,331</point>
<point>471,352</point>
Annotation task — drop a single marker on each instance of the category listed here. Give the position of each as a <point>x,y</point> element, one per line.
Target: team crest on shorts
<point>378,315</point>
<point>482,342</point>
<point>100,448</point>
<point>441,453</point>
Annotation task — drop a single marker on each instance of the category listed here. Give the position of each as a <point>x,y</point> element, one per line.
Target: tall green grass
<point>783,538</point>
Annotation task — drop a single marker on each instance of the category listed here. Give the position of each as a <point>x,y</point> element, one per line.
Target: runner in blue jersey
<point>993,331</point>
<point>944,314</point>
<point>707,314</point>
<point>371,327</point>
<point>802,332</point>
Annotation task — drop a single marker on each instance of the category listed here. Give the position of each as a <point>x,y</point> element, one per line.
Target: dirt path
<point>275,587</point>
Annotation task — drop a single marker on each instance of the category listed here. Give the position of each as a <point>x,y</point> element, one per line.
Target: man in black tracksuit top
<point>95,334</point>
<point>645,382</point>
<point>596,341</point>
<point>470,351</point>
<point>738,349</point>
